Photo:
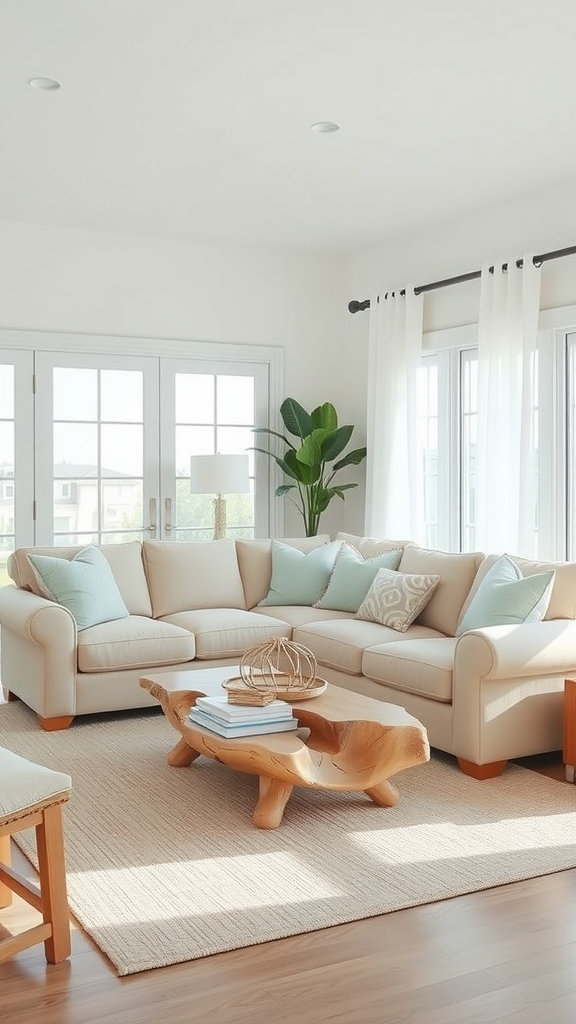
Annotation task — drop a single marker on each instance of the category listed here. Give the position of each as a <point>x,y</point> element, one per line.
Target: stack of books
<point>232,720</point>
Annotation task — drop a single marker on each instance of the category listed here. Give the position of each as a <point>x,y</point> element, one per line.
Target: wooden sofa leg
<point>8,695</point>
<point>54,724</point>
<point>482,771</point>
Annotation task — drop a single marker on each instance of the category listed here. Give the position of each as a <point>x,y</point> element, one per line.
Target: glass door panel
<point>96,417</point>
<point>16,417</point>
<point>206,411</point>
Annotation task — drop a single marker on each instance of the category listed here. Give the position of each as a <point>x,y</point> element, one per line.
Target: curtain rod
<point>357,307</point>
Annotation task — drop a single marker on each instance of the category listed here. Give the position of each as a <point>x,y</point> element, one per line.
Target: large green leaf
<point>351,459</point>
<point>273,433</point>
<point>299,470</point>
<point>335,442</point>
<point>325,416</point>
<point>296,420</point>
<point>310,451</point>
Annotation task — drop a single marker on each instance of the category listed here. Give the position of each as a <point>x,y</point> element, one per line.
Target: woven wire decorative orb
<point>279,665</point>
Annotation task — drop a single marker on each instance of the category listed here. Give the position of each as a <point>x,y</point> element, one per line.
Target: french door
<point>95,447</point>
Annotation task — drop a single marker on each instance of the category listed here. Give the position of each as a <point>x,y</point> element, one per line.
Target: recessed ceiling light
<point>325,127</point>
<point>48,84</point>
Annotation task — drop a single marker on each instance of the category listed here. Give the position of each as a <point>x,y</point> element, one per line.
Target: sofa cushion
<point>228,632</point>
<point>182,577</point>
<point>85,585</point>
<point>299,577</point>
<point>300,614</point>
<point>423,667</point>
<point>506,597</point>
<point>255,562</point>
<point>133,643</point>
<point>352,577</point>
<point>125,560</point>
<point>340,643</point>
<point>457,570</point>
<point>396,598</point>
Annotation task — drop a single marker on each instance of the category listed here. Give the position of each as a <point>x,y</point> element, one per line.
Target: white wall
<point>56,279</point>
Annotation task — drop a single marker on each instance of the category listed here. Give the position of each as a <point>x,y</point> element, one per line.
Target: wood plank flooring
<point>507,954</point>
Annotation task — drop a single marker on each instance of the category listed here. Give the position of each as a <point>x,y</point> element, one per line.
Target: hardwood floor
<point>507,954</point>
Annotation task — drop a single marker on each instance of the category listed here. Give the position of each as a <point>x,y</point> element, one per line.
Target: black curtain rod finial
<point>357,307</point>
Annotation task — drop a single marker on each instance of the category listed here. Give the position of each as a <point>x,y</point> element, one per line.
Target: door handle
<point>168,515</point>
<point>152,510</point>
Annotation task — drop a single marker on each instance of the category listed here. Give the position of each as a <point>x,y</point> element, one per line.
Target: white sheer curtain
<point>506,470</point>
<point>393,480</point>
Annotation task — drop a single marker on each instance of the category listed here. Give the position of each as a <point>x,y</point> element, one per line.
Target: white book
<point>246,729</point>
<point>219,707</point>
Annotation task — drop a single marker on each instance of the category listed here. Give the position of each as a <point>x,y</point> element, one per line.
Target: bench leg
<point>52,871</point>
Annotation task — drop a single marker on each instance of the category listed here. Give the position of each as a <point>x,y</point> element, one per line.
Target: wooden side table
<point>569,756</point>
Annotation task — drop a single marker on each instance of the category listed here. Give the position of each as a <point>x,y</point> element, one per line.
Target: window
<point>99,450</point>
<point>448,439</point>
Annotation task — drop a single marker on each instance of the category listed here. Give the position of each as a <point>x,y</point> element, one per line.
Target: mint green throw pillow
<point>85,585</point>
<point>506,597</point>
<point>298,577</point>
<point>353,576</point>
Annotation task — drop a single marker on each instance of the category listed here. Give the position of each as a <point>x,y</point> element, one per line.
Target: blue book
<point>255,728</point>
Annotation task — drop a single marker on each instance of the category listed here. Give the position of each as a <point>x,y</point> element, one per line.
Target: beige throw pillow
<point>395,599</point>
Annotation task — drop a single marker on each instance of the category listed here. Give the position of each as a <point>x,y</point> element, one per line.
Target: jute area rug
<point>165,866</point>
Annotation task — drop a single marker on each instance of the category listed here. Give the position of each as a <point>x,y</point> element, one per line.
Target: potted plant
<point>310,461</point>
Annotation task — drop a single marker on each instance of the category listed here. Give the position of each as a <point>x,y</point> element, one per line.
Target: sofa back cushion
<point>563,598</point>
<point>125,560</point>
<point>457,571</point>
<point>255,562</point>
<point>184,577</point>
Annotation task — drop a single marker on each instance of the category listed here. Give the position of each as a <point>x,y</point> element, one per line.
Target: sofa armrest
<point>38,651</point>
<point>508,689</point>
<point>532,649</point>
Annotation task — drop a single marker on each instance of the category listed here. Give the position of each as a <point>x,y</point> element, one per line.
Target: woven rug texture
<point>164,865</point>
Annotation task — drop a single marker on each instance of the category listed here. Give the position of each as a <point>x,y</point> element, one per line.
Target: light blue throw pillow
<point>298,577</point>
<point>506,597</point>
<point>85,585</point>
<point>353,576</point>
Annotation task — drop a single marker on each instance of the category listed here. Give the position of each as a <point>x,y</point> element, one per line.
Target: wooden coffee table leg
<point>383,794</point>
<point>182,755</point>
<point>274,796</point>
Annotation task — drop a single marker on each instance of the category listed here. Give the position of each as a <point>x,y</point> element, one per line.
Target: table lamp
<point>219,475</point>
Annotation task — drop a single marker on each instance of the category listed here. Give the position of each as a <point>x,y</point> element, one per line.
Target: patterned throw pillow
<point>395,599</point>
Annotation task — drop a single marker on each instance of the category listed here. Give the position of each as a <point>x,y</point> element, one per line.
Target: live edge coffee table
<point>345,741</point>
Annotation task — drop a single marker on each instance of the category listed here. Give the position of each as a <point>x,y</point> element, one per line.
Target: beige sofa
<point>486,696</point>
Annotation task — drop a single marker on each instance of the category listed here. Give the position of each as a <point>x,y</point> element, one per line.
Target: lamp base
<point>219,517</point>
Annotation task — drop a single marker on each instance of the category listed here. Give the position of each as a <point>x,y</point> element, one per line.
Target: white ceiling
<point>190,118</point>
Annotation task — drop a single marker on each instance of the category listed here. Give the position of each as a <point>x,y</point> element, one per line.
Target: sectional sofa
<point>484,693</point>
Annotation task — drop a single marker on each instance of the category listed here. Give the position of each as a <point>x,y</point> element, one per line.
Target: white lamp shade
<point>219,474</point>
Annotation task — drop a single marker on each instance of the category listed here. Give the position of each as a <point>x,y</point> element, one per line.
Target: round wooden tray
<point>291,694</point>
